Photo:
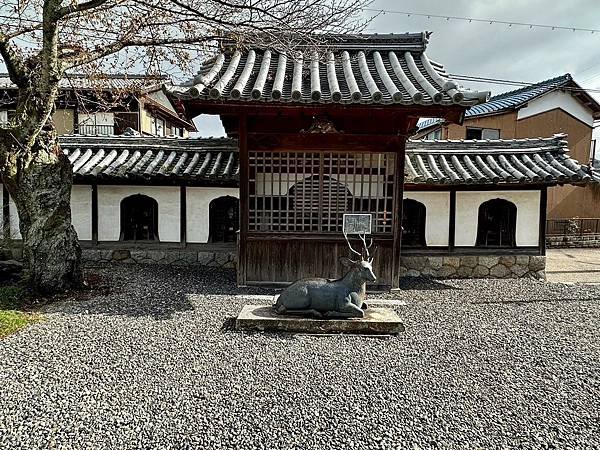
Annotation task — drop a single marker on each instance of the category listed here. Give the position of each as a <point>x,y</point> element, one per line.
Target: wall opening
<point>224,219</point>
<point>413,223</point>
<point>139,218</point>
<point>497,224</point>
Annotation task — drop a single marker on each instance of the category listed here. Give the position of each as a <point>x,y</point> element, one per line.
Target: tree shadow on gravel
<point>157,291</point>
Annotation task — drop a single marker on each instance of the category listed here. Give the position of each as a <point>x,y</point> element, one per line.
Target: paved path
<point>573,265</point>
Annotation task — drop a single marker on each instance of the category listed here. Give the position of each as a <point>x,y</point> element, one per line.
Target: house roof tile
<point>382,69</point>
<point>215,161</point>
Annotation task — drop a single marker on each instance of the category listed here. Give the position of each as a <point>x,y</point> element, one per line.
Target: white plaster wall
<point>557,99</point>
<point>437,215</point>
<point>528,215</point>
<point>81,211</point>
<point>109,210</point>
<point>14,220</point>
<point>198,201</point>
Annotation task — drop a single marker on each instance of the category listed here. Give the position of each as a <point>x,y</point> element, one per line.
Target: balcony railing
<point>97,130</point>
<point>573,227</point>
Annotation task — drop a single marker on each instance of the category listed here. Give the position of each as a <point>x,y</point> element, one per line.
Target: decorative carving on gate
<point>321,124</point>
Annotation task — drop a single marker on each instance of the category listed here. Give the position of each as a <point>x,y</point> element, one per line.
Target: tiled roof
<point>81,81</point>
<point>520,97</point>
<point>516,98</point>
<point>144,159</point>
<point>499,161</point>
<point>215,161</point>
<point>385,69</point>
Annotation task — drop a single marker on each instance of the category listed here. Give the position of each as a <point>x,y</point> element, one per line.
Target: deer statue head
<point>363,268</point>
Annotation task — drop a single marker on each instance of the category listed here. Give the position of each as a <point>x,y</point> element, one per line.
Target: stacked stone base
<point>225,259</point>
<point>411,266</point>
<point>474,266</point>
<point>574,241</point>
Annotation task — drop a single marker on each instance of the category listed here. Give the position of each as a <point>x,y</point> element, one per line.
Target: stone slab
<point>263,318</point>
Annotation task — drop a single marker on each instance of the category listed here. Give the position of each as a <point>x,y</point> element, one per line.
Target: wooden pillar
<point>397,208</point>
<point>244,201</point>
<point>183,216</point>
<point>95,214</point>
<point>452,221</point>
<point>543,212</point>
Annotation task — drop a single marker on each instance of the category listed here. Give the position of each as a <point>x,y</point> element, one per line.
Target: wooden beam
<point>183,216</point>
<point>397,210</point>
<point>95,214</point>
<point>244,201</point>
<point>543,213</point>
<point>452,222</point>
<point>324,141</point>
<point>194,107</point>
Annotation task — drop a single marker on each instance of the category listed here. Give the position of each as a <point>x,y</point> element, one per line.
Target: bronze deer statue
<point>323,298</point>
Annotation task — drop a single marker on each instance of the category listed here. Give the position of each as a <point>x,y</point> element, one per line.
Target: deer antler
<point>351,249</point>
<point>364,241</point>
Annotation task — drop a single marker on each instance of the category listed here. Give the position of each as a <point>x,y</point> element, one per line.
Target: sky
<point>491,50</point>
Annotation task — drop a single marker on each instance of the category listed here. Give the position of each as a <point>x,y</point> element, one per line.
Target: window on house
<point>413,223</point>
<point>482,133</point>
<point>158,126</point>
<point>224,219</point>
<point>497,224</point>
<point>139,218</point>
<point>100,123</point>
<point>435,134</point>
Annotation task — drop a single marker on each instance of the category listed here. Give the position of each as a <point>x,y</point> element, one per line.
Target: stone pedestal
<point>263,318</point>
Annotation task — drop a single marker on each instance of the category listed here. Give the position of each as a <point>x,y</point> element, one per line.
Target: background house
<point>107,106</point>
<point>558,105</point>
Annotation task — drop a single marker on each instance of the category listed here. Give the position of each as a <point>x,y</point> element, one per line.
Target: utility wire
<point>490,21</point>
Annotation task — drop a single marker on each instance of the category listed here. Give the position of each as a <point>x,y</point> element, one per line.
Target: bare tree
<point>42,41</point>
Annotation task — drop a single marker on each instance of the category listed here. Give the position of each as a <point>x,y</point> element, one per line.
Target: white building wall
<point>81,211</point>
<point>437,215</point>
<point>197,216</point>
<point>554,100</point>
<point>528,215</point>
<point>109,210</point>
<point>14,220</point>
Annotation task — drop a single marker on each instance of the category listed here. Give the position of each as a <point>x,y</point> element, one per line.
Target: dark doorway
<point>497,224</point>
<point>224,219</point>
<point>413,224</point>
<point>139,218</point>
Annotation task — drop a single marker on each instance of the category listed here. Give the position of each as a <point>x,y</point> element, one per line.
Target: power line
<point>489,21</point>
<point>475,79</point>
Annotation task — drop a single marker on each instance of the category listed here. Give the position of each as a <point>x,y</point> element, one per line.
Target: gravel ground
<point>482,364</point>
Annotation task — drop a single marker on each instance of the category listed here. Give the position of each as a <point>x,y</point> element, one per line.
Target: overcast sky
<point>496,51</point>
<point>493,50</point>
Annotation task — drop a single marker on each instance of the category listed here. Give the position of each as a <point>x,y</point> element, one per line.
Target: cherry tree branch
<point>14,63</point>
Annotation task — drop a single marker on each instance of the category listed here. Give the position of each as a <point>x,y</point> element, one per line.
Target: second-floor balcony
<point>96,130</point>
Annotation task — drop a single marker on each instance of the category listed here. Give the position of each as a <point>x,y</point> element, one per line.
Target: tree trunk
<point>39,182</point>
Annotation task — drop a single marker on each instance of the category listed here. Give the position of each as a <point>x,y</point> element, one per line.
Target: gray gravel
<point>483,364</point>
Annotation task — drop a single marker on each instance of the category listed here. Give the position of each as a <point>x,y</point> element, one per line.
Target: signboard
<point>357,223</point>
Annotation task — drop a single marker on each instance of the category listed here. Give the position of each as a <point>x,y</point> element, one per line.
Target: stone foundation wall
<point>583,241</point>
<point>226,259</point>
<point>474,266</point>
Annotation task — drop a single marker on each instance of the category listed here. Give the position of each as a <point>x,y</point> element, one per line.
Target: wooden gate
<point>296,201</point>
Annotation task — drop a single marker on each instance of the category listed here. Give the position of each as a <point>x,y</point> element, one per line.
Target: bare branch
<point>77,8</point>
<point>14,63</point>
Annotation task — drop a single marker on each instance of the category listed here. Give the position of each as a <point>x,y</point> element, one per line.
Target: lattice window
<point>291,192</point>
